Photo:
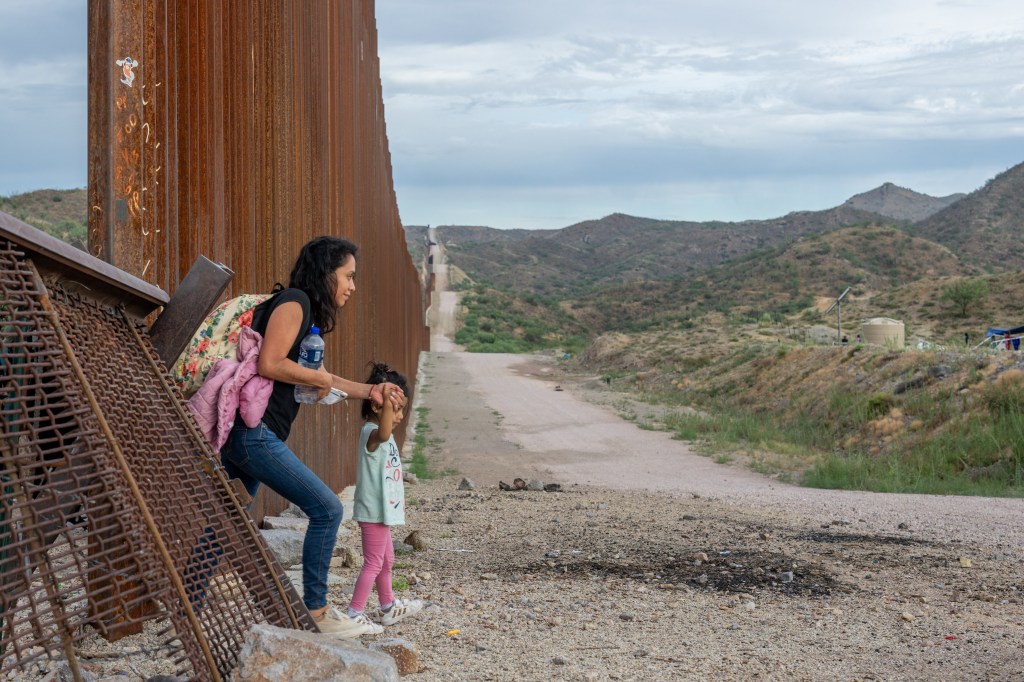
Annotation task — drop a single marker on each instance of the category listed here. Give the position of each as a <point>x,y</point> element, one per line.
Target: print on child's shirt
<point>393,491</point>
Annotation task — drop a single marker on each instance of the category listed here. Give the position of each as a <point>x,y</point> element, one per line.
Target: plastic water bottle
<point>311,355</point>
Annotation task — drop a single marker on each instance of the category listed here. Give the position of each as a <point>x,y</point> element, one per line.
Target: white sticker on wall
<point>127,64</point>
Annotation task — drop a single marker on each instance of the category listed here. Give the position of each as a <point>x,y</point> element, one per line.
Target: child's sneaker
<point>400,610</point>
<point>336,623</point>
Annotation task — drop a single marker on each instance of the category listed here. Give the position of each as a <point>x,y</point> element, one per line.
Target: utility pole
<point>838,305</point>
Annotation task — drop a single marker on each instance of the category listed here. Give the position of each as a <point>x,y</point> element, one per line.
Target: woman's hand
<point>393,393</point>
<point>395,396</point>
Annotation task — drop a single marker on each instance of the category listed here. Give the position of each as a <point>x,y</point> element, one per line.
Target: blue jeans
<point>257,456</point>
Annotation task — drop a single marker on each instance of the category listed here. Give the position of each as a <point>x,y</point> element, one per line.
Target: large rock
<point>295,576</point>
<point>273,654</point>
<point>286,545</point>
<point>346,556</point>
<point>285,523</point>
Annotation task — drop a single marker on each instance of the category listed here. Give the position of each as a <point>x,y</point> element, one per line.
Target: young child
<point>380,504</point>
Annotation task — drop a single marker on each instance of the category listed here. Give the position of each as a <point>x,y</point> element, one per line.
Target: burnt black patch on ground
<point>857,538</point>
<point>740,571</point>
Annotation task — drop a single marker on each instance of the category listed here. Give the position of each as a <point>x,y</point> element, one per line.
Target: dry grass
<point>932,419</point>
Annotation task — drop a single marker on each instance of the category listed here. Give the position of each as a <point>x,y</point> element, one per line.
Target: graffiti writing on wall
<point>136,158</point>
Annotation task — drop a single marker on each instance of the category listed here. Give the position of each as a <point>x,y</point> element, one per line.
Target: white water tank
<point>883,332</point>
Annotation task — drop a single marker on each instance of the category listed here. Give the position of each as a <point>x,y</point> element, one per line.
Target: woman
<point>321,282</point>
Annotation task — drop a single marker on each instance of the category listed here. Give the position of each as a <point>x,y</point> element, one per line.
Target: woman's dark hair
<point>380,373</point>
<point>314,273</point>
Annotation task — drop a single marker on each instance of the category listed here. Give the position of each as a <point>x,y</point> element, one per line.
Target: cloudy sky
<point>43,130</point>
<point>534,114</point>
<point>541,114</point>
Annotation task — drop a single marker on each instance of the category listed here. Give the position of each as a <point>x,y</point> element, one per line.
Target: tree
<point>964,292</point>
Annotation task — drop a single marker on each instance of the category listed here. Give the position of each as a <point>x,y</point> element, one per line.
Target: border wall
<point>239,131</point>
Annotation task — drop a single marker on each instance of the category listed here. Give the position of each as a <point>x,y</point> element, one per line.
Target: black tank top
<point>282,408</point>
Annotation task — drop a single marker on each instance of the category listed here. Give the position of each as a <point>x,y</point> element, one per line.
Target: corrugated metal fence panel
<point>249,129</point>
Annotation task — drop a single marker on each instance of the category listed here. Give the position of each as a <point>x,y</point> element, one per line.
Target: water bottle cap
<point>314,329</point>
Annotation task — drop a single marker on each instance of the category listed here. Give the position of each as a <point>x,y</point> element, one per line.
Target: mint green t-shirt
<point>380,492</point>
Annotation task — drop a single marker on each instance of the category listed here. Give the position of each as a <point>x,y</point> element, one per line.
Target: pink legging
<point>378,558</point>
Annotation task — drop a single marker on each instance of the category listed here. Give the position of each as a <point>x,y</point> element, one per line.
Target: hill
<point>416,243</point>
<point>857,416</point>
<point>780,281</point>
<point>983,230</point>
<point>900,204</point>
<point>618,249</point>
<point>62,213</point>
<point>986,228</point>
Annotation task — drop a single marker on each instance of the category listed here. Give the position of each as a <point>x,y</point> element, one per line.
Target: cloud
<point>43,87</point>
<point>697,102</point>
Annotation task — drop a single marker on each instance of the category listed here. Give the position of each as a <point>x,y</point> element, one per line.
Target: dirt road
<point>536,431</point>
<point>443,303</point>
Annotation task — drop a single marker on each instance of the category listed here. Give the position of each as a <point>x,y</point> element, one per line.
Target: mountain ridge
<point>620,248</point>
<point>631,273</point>
<point>901,203</point>
<point>986,226</point>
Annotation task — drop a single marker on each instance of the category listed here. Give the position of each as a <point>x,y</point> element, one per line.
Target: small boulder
<point>416,540</point>
<point>349,557</point>
<point>404,653</point>
<point>294,512</point>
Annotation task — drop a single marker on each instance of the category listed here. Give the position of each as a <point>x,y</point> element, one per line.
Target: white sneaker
<point>400,610</point>
<point>336,623</point>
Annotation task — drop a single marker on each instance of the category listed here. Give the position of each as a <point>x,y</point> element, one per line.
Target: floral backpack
<point>216,338</point>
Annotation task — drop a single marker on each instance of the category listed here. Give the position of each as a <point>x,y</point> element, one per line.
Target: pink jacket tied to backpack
<point>232,385</point>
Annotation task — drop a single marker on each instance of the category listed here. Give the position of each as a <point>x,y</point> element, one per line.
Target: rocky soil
<point>595,584</point>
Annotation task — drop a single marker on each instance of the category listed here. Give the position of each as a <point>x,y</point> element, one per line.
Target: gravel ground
<point>656,563</point>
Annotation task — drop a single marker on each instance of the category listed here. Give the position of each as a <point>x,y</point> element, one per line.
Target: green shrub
<point>879,404</point>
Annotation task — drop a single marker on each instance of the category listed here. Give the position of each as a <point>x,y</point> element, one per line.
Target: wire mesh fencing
<point>115,516</point>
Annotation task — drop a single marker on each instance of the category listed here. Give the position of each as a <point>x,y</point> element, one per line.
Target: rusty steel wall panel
<point>250,128</point>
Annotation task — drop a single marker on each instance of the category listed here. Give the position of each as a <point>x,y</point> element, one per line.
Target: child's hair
<point>381,372</point>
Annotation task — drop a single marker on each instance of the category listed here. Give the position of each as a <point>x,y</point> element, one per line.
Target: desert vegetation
<point>498,321</point>
<point>856,416</point>
<point>58,212</point>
